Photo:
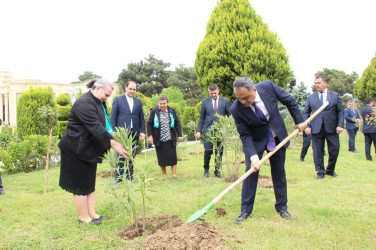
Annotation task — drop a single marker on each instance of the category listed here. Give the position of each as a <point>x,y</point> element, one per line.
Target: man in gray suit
<point>209,107</point>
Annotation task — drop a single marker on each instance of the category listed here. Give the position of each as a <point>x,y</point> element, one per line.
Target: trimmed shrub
<point>63,112</point>
<point>189,115</point>
<point>29,119</point>
<point>61,127</point>
<point>63,100</point>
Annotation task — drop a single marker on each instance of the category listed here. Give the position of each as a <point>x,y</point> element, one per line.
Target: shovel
<point>209,206</point>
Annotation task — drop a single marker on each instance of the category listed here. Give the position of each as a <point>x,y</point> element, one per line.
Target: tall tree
<point>185,79</point>
<point>338,81</point>
<point>366,85</point>
<point>87,75</point>
<point>151,75</point>
<point>300,94</point>
<point>237,43</point>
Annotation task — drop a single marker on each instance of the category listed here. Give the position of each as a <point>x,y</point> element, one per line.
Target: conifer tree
<point>366,85</point>
<point>237,43</point>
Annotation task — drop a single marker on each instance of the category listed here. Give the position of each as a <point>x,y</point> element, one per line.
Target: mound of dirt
<point>221,211</point>
<point>170,232</point>
<point>265,181</point>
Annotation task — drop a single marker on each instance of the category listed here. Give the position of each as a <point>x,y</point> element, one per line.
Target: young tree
<point>237,43</point>
<point>366,85</point>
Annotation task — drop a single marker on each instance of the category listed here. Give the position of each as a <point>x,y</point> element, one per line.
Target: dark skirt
<point>76,176</point>
<point>166,154</point>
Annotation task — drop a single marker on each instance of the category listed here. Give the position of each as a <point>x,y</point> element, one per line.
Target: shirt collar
<point>128,96</point>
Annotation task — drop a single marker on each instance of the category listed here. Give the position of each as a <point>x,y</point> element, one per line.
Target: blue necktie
<point>270,146</point>
<point>322,98</point>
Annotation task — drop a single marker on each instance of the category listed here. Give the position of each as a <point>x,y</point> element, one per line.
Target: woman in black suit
<point>163,126</point>
<point>87,138</point>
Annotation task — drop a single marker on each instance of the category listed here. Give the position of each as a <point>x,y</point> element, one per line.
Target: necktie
<point>270,146</point>
<point>215,105</point>
<point>322,98</point>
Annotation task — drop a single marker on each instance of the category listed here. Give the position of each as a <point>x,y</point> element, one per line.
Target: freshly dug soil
<point>221,211</point>
<point>170,232</point>
<point>106,174</point>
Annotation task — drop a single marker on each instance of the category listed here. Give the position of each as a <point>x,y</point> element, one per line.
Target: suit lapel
<point>124,98</point>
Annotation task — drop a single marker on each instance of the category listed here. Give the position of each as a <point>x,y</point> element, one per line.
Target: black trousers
<point>1,184</point>
<point>318,144</point>
<point>217,154</point>
<point>306,143</point>
<point>277,166</point>
<point>119,171</point>
<point>368,139</point>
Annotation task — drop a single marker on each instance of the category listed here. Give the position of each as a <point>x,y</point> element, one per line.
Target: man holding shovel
<point>261,128</point>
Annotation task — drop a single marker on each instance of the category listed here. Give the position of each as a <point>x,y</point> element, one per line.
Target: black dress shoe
<point>242,217</point>
<point>333,174</point>
<point>92,222</point>
<point>218,175</point>
<point>2,191</point>
<point>102,218</point>
<point>320,176</point>
<point>284,214</point>
<point>206,174</point>
<point>301,159</point>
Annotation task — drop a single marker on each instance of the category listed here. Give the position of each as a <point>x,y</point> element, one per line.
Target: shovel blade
<point>199,213</point>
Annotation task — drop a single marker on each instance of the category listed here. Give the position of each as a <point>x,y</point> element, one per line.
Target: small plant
<point>125,191</point>
<point>51,115</point>
<point>224,131</point>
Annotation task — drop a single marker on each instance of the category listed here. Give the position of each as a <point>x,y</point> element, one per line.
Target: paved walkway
<point>179,144</point>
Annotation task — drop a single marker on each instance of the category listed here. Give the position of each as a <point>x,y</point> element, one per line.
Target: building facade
<point>11,89</point>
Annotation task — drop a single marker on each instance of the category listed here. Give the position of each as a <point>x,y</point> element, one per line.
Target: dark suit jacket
<point>156,132</point>
<point>349,114</point>
<point>86,137</point>
<point>332,115</point>
<point>207,113</point>
<point>253,132</point>
<point>367,127</point>
<point>121,115</point>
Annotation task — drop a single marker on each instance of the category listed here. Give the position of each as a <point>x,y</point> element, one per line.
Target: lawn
<point>330,213</point>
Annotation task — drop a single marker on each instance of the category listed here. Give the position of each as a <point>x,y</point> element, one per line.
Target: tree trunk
<point>47,160</point>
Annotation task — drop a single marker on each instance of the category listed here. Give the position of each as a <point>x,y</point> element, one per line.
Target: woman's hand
<point>151,141</point>
<point>119,148</point>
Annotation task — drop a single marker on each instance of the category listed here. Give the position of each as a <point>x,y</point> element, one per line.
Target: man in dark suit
<point>210,106</point>
<point>369,127</point>
<point>326,126</point>
<point>127,112</point>
<point>261,128</point>
<point>352,118</point>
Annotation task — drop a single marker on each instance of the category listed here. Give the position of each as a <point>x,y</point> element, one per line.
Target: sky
<point>56,41</point>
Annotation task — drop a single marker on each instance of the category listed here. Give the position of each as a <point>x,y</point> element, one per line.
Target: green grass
<point>330,213</point>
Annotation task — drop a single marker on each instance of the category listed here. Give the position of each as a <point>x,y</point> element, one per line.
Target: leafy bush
<point>177,108</point>
<point>6,137</point>
<point>29,120</point>
<point>29,154</point>
<point>63,100</point>
<point>188,132</point>
<point>63,112</point>
<point>189,115</point>
<point>61,127</point>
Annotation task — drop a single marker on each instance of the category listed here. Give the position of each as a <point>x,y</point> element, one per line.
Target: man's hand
<point>308,131</point>
<point>198,135</point>
<point>151,141</point>
<point>301,133</point>
<point>339,130</point>
<point>142,136</point>
<point>254,163</point>
<point>180,139</point>
<point>301,126</point>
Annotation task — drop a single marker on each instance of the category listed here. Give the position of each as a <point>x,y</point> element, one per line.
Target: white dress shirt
<point>130,103</point>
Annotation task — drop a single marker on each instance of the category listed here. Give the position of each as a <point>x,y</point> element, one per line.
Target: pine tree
<point>237,43</point>
<point>366,85</point>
